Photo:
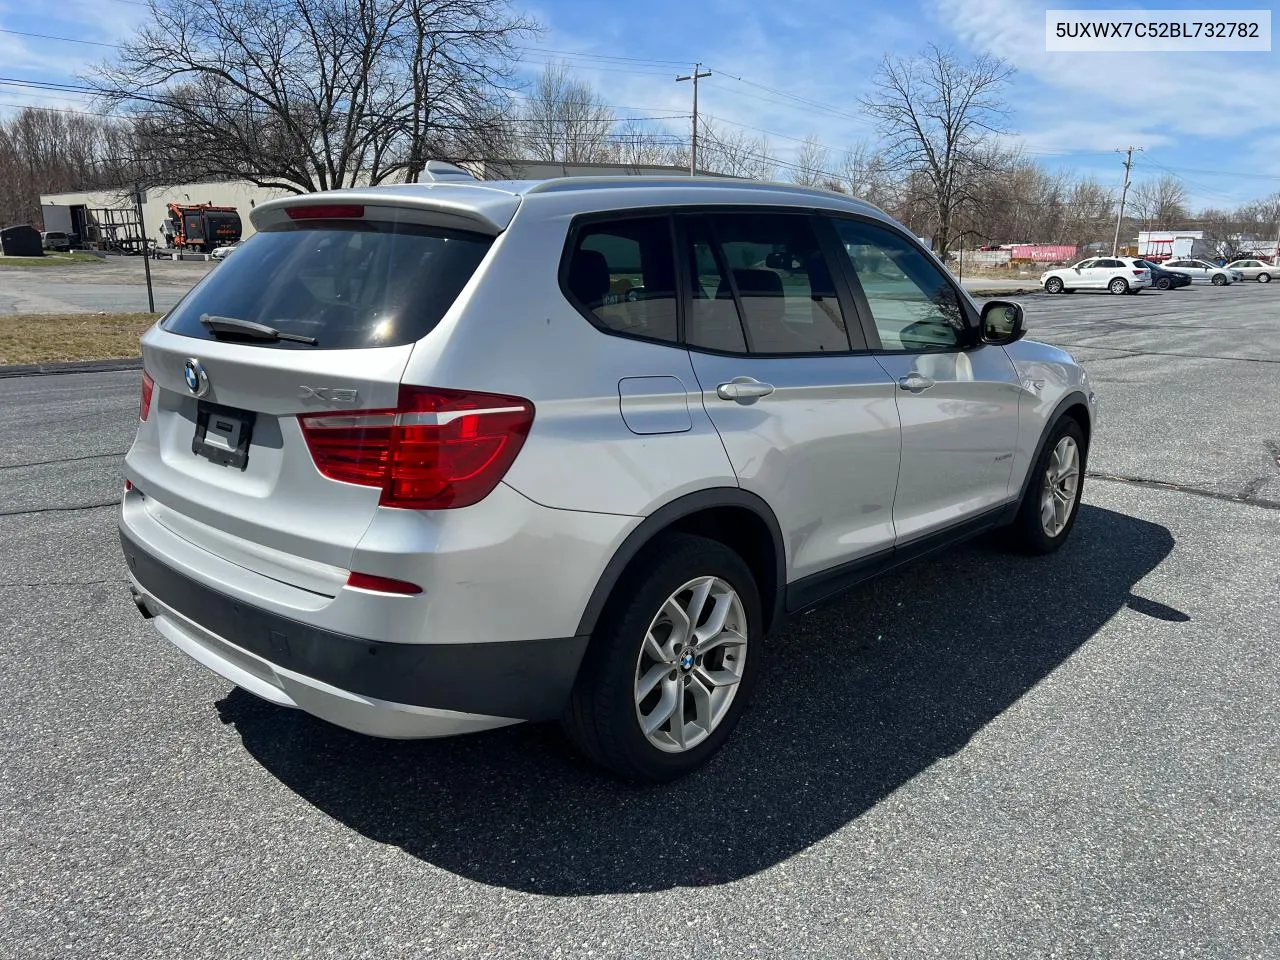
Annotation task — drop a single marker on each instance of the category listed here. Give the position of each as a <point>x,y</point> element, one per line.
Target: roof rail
<point>438,171</point>
<point>565,184</point>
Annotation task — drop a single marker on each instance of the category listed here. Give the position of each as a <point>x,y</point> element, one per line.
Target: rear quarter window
<point>620,274</point>
<point>348,284</point>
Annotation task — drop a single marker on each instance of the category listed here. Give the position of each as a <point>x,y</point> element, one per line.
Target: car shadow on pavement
<point>856,699</point>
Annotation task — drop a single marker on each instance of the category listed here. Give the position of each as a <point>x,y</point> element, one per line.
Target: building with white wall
<point>71,212</point>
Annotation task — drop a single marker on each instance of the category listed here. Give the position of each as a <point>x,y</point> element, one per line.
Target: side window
<point>913,305</point>
<point>622,274</point>
<point>770,269</point>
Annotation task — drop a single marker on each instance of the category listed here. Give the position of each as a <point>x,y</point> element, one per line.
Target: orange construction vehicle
<point>200,226</point>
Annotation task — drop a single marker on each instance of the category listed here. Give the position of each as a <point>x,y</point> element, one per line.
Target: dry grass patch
<point>45,337</point>
<point>49,260</point>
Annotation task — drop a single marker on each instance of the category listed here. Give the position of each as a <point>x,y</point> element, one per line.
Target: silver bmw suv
<point>441,457</point>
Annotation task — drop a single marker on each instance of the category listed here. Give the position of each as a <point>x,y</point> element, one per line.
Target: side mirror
<point>1002,322</point>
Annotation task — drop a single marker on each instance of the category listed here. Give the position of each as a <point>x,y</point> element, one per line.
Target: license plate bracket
<point>223,434</point>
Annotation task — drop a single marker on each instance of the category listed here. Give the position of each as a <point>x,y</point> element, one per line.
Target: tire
<point>1219,280</point>
<point>1030,531</point>
<point>1264,278</point>
<point>1164,283</point>
<point>603,716</point>
<point>1054,285</point>
<point>1118,286</point>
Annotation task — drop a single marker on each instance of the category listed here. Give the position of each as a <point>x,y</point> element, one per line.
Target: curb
<point>80,366</point>
<point>1003,292</point>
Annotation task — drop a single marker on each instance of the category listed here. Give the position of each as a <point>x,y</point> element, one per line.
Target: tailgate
<point>314,314</point>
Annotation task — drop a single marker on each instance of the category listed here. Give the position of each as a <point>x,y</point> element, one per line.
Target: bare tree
<point>1262,216</point>
<point>937,114</point>
<point>1161,204</point>
<point>863,173</point>
<point>308,95</point>
<point>734,152</point>
<point>639,145</point>
<point>43,150</point>
<point>565,120</point>
<point>1090,215</point>
<point>811,164</point>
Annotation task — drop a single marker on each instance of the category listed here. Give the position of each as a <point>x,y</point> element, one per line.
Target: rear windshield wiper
<point>254,331</point>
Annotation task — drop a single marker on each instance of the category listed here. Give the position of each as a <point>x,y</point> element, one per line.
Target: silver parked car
<point>1202,271</point>
<point>442,457</point>
<point>1258,270</point>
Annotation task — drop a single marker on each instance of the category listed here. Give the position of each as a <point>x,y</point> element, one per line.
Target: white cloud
<point>1199,94</point>
<point>16,54</point>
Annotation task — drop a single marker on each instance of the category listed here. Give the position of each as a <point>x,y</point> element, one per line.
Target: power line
<point>600,56</point>
<point>817,105</point>
<point>83,90</point>
<point>45,36</point>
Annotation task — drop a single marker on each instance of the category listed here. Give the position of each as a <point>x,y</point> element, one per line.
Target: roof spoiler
<point>439,171</point>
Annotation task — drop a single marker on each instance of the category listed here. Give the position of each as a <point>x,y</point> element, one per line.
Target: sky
<point>798,67</point>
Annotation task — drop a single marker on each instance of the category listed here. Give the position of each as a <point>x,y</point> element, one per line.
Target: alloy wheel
<point>1061,485</point>
<point>690,664</point>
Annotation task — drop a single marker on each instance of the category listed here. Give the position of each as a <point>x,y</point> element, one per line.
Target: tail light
<point>148,388</point>
<point>436,450</point>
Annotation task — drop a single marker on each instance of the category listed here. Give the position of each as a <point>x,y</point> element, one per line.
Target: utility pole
<point>1124,192</point>
<point>695,77</point>
<point>146,254</point>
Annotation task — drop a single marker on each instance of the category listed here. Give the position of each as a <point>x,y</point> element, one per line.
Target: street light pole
<point>146,255</point>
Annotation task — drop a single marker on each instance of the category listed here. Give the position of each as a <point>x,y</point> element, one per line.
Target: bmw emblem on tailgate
<point>197,380</point>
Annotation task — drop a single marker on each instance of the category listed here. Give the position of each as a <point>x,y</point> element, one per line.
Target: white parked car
<point>1117,274</point>
<point>221,253</point>
<point>1202,271</point>
<point>1258,270</point>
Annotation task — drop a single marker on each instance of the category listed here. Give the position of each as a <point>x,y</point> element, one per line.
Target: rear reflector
<point>128,485</point>
<point>437,450</point>
<point>148,388</point>
<point>326,211</point>
<point>367,581</point>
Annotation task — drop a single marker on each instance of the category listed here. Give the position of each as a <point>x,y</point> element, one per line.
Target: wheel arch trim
<point>663,518</point>
<point>1076,398</point>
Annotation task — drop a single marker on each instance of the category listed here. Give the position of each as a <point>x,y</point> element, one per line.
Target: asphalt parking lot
<point>116,285</point>
<point>984,756</point>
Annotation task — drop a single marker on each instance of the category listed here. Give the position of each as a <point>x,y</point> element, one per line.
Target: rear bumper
<point>374,687</point>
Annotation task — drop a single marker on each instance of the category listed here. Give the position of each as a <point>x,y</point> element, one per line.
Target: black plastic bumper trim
<point>523,680</point>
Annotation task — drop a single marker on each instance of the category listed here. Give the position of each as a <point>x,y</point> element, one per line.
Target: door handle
<point>915,382</point>
<point>743,389</point>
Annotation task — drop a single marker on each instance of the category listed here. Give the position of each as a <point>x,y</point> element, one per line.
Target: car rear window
<point>348,284</point>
